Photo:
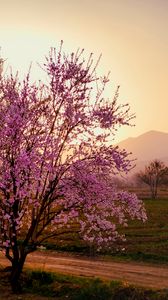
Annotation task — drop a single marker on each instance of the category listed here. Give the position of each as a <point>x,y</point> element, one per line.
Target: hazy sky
<point>132,35</point>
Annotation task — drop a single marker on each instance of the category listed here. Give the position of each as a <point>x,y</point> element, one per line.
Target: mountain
<point>146,147</point>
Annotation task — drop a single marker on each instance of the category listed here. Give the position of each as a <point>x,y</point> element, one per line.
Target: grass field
<point>77,288</point>
<point>39,285</point>
<point>144,242</point>
<point>149,241</point>
<point>145,193</point>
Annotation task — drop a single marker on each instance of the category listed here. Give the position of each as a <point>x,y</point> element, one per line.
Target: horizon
<point>131,35</point>
<point>143,133</point>
<point>146,147</point>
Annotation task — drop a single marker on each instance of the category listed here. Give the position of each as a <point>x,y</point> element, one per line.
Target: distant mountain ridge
<point>146,147</point>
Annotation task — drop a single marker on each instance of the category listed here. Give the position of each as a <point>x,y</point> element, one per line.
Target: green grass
<point>144,241</point>
<point>149,241</point>
<point>56,286</point>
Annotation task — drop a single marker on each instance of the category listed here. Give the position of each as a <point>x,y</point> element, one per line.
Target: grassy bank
<point>77,288</point>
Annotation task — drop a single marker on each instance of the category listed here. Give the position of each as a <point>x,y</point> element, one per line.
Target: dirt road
<point>150,276</point>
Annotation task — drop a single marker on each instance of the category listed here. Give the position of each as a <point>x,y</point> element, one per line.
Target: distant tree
<point>165,179</point>
<point>55,160</point>
<point>154,175</point>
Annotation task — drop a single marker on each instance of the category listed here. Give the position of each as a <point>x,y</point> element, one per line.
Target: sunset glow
<point>130,34</point>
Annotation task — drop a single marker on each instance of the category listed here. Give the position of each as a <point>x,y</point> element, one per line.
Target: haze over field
<point>130,34</point>
<point>147,147</point>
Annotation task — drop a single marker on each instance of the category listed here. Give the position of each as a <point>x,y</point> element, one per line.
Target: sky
<point>131,35</point>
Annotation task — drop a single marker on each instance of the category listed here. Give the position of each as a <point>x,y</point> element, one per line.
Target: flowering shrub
<point>55,159</point>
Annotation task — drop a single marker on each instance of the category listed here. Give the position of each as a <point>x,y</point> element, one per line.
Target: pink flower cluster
<point>55,160</point>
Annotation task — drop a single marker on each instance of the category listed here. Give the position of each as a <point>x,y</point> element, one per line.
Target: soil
<point>149,276</point>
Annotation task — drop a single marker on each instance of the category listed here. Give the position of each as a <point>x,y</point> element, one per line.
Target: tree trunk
<point>17,267</point>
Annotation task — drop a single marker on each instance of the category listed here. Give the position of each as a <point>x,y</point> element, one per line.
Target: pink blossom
<point>56,162</point>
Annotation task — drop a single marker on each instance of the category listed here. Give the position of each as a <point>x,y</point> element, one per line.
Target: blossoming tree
<point>55,159</point>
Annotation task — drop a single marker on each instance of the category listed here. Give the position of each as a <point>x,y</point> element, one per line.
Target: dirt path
<point>150,276</point>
